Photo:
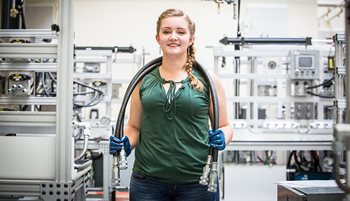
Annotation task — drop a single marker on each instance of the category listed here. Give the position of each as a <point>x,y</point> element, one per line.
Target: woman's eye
<point>166,32</point>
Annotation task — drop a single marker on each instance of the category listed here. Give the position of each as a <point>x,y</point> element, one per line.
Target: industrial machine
<point>280,94</point>
<point>36,114</point>
<point>58,106</point>
<point>108,70</point>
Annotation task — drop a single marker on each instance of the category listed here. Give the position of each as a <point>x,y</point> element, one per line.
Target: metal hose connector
<point>206,170</point>
<point>213,178</point>
<point>123,163</point>
<point>115,172</point>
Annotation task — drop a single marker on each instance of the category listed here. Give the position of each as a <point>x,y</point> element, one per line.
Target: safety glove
<point>116,144</point>
<point>217,139</point>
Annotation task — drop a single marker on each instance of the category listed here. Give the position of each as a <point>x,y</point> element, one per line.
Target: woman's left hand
<point>217,139</point>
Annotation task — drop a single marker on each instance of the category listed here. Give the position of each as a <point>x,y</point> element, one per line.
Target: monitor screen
<point>305,62</point>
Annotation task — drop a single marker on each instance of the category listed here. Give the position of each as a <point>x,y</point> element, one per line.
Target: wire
<point>97,94</point>
<point>83,93</point>
<point>325,83</point>
<point>319,95</point>
<point>289,165</point>
<point>42,78</point>
<point>316,161</point>
<point>96,99</point>
<point>52,77</point>
<point>87,86</point>
<point>297,162</point>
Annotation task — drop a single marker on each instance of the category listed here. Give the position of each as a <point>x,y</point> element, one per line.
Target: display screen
<point>305,62</point>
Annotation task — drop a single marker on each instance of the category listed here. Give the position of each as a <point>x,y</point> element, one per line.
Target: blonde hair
<point>191,57</point>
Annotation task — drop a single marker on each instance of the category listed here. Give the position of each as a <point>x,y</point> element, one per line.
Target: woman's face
<point>174,37</point>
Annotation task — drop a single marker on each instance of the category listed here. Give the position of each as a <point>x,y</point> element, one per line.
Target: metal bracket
<point>62,191</point>
<point>340,70</point>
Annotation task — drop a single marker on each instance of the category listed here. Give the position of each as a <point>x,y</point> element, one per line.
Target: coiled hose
<point>210,171</point>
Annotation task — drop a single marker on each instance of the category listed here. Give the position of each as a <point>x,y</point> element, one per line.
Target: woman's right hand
<point>116,144</point>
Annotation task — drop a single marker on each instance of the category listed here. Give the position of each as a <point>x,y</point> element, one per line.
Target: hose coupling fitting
<point>115,172</point>
<point>206,170</point>
<point>213,178</point>
<point>123,163</point>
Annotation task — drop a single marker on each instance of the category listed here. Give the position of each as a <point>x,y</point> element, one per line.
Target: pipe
<point>114,49</point>
<point>85,148</point>
<point>80,174</point>
<point>120,160</point>
<point>257,41</point>
<point>83,166</point>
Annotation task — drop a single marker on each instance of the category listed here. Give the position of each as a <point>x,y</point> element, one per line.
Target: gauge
<point>105,121</point>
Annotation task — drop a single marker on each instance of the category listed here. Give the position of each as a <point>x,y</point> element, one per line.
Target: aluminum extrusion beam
<point>64,130</point>
<point>28,100</point>
<point>39,67</point>
<point>279,145</point>
<point>28,118</point>
<point>347,63</point>
<point>28,50</point>
<point>39,33</point>
<point>19,188</point>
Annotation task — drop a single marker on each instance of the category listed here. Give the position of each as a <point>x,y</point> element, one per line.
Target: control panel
<point>304,64</point>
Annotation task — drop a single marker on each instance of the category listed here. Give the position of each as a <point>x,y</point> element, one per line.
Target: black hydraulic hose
<point>119,161</point>
<point>212,151</point>
<point>119,128</point>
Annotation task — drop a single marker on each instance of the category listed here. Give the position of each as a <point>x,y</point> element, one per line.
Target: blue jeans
<point>147,189</point>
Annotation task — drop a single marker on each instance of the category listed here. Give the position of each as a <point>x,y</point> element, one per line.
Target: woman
<point>170,111</point>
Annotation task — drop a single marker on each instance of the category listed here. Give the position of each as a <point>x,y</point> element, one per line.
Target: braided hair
<point>191,58</point>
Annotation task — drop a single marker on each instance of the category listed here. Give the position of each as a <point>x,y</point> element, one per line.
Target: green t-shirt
<point>173,144</point>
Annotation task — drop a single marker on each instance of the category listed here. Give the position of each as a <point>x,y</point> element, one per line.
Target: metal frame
<point>342,127</point>
<point>280,135</point>
<point>67,184</point>
<point>106,56</point>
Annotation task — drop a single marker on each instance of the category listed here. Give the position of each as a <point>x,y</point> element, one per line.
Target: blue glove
<point>217,139</point>
<point>116,144</point>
